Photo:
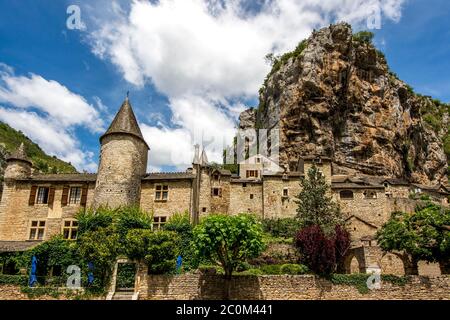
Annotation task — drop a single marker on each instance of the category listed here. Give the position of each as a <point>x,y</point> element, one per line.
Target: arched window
<point>370,195</point>
<point>346,194</point>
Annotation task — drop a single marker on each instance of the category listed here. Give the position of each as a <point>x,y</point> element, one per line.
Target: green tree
<point>91,220</point>
<point>422,235</point>
<point>315,203</point>
<point>228,241</point>
<point>102,247</point>
<point>180,223</point>
<point>128,218</point>
<point>158,249</point>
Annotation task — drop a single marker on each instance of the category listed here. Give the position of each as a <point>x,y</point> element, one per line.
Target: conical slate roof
<point>125,122</point>
<point>19,154</point>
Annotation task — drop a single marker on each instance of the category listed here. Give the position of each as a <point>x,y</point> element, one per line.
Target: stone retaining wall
<point>283,287</point>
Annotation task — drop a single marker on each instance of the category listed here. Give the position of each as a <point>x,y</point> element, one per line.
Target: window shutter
<point>84,193</point>
<point>247,173</point>
<point>64,197</point>
<point>256,173</point>
<point>32,196</point>
<point>220,192</point>
<point>51,196</point>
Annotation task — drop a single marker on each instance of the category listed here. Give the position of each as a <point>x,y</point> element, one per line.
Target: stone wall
<point>241,199</point>
<point>16,214</point>
<point>123,161</point>
<point>179,197</point>
<point>307,287</point>
<point>276,205</point>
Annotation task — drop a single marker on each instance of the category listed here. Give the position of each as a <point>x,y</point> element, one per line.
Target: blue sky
<point>190,66</point>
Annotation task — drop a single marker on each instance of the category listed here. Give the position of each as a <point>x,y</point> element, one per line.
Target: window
<point>252,173</point>
<point>42,196</point>
<point>75,195</point>
<point>285,192</point>
<point>204,209</point>
<point>158,222</point>
<point>346,194</point>
<point>244,185</point>
<point>162,192</point>
<point>216,177</point>
<point>217,192</point>
<point>370,195</point>
<point>258,160</point>
<point>37,230</point>
<point>70,229</point>
<point>251,195</point>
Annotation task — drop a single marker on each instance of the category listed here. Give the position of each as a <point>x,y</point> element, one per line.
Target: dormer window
<point>258,160</point>
<point>252,173</point>
<point>216,177</point>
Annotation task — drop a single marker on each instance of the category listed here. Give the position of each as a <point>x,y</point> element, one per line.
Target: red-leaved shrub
<point>322,253</point>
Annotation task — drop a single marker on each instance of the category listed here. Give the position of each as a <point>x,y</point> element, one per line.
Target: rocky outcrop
<point>335,96</point>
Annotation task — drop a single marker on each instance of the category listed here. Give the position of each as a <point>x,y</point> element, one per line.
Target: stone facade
<point>307,287</point>
<point>34,207</point>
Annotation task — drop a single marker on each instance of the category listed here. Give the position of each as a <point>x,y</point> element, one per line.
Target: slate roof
<point>63,177</point>
<point>168,176</point>
<point>13,246</point>
<point>125,122</point>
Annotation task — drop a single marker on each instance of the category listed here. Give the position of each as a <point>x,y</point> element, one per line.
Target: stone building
<point>36,206</point>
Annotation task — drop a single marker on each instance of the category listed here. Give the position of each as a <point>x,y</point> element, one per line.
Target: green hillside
<point>10,139</point>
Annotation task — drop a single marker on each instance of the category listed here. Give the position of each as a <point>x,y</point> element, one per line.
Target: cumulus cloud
<point>203,54</point>
<point>48,112</point>
<point>50,97</point>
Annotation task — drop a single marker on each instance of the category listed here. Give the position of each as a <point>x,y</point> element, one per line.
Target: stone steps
<point>123,295</point>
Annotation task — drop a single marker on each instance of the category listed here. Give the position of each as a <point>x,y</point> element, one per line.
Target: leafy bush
<point>13,279</point>
<point>363,37</point>
<point>285,227</point>
<point>158,250</point>
<point>90,220</point>
<point>251,272</point>
<point>294,269</point>
<point>273,269</point>
<point>129,218</point>
<point>180,223</point>
<point>322,253</point>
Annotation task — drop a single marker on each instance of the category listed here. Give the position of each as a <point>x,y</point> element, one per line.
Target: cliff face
<point>335,96</point>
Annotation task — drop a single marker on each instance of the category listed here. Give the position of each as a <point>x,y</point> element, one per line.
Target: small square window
<point>216,192</point>
<point>251,195</point>
<point>70,229</point>
<point>204,209</point>
<point>285,192</point>
<point>158,222</point>
<point>161,192</point>
<point>37,230</point>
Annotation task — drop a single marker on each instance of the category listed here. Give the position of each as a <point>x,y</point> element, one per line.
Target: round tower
<point>17,165</point>
<point>123,161</point>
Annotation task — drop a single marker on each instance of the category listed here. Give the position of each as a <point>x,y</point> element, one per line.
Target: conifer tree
<point>315,203</point>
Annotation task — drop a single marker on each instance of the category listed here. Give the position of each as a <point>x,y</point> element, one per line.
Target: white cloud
<point>50,97</point>
<point>202,54</point>
<point>51,137</point>
<point>47,112</point>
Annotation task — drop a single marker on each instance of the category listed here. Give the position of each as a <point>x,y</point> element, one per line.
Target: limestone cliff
<point>335,95</point>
